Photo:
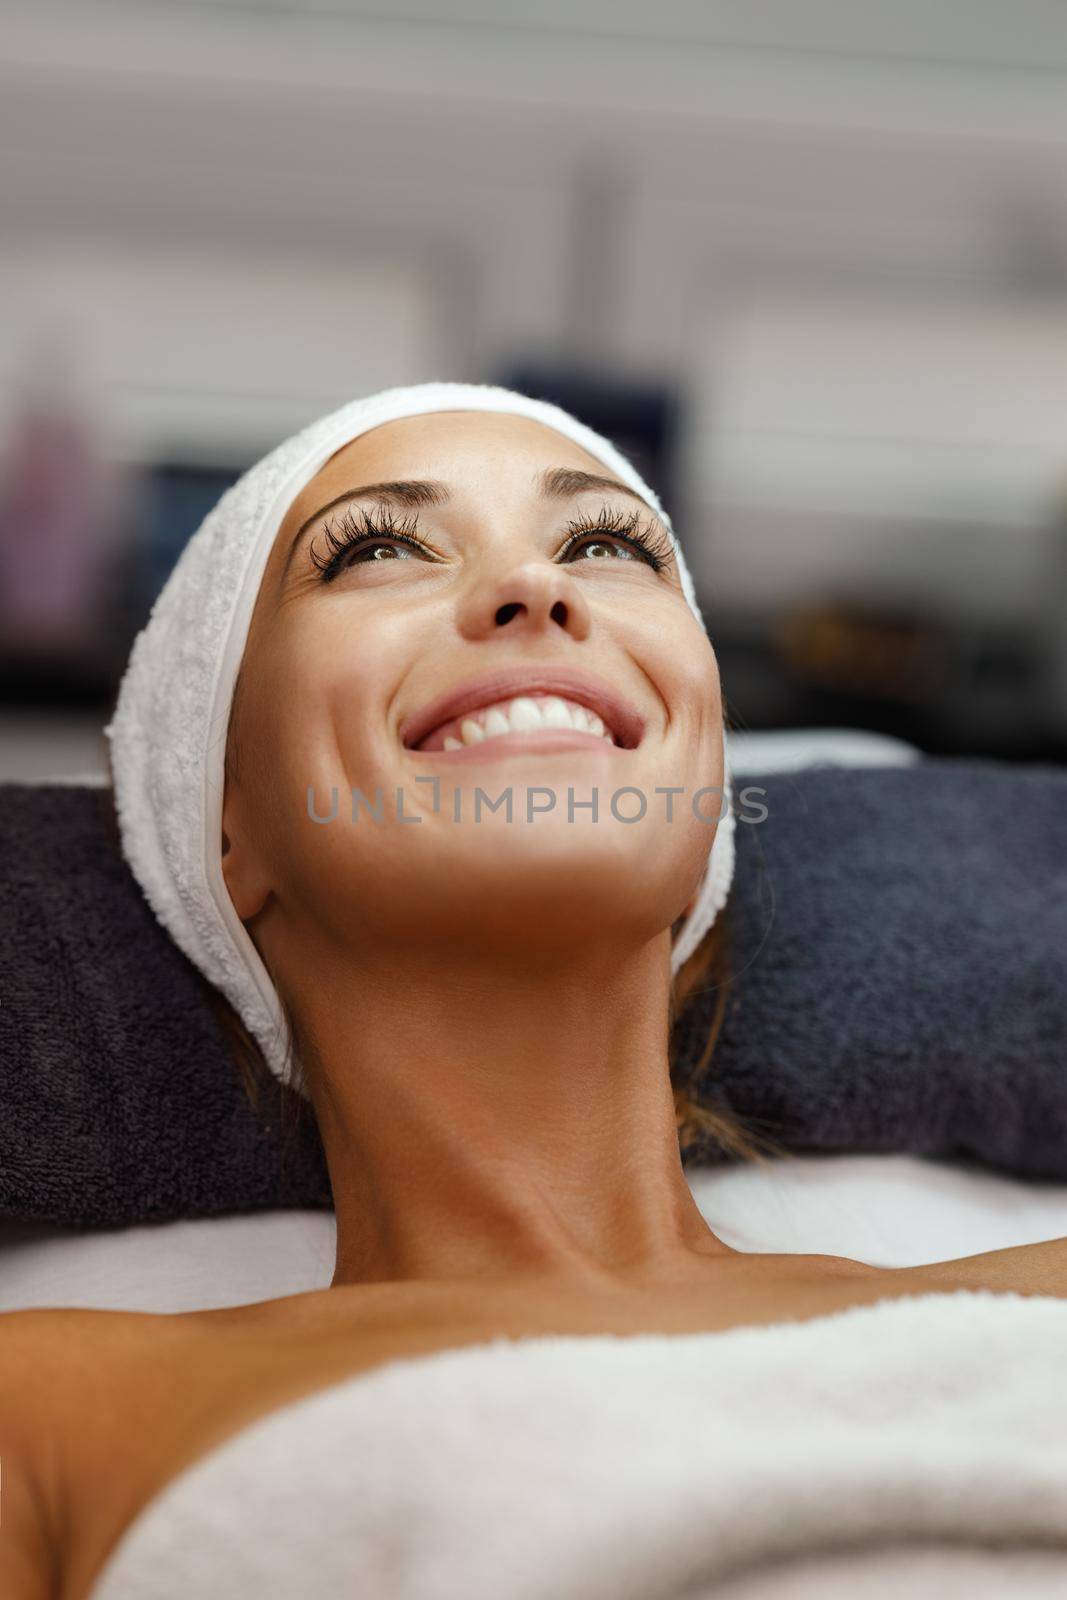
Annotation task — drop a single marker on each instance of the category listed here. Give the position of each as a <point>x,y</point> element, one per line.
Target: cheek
<point>330,708</point>
<point>700,707</point>
<point>290,706</point>
<point>678,659</point>
<point>703,674</point>
<point>687,674</point>
<point>700,753</point>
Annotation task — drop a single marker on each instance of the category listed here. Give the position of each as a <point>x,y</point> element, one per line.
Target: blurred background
<point>805,260</point>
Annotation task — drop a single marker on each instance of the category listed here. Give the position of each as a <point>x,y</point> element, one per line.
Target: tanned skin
<point>482,1011</point>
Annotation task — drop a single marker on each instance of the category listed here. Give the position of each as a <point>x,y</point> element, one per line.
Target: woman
<point>478,1010</point>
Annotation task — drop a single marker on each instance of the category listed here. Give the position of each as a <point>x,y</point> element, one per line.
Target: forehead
<point>455,445</point>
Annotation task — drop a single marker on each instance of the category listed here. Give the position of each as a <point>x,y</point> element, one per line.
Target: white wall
<point>263,209</point>
<point>207,356</point>
<point>906,447</point>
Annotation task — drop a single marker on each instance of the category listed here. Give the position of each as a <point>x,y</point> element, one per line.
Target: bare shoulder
<point>29,1509</point>
<point>99,1409</point>
<point>60,1371</point>
<point>33,1382</point>
<point>1039,1269</point>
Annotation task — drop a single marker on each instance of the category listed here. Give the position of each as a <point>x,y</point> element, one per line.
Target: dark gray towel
<point>900,960</point>
<point>119,1099</point>
<point>900,984</point>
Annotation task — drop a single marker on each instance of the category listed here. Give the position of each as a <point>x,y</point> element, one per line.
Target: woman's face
<point>358,639</point>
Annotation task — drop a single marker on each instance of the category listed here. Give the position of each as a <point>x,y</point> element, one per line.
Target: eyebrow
<point>554,483</point>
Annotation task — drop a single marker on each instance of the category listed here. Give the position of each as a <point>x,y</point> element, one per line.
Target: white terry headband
<point>168,734</point>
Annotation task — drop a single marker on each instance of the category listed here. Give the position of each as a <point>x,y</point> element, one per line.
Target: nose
<point>533,598</point>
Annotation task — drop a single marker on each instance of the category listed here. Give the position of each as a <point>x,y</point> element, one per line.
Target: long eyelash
<point>651,540</point>
<point>358,524</point>
<point>356,528</point>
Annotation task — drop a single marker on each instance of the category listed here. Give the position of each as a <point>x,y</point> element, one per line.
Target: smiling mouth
<point>551,718</point>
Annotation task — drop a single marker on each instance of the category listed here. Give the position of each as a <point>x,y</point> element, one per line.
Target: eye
<point>360,537</point>
<point>359,534</point>
<point>614,536</point>
<point>606,547</point>
<point>377,549</point>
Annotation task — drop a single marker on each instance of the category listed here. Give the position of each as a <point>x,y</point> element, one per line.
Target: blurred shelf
<point>45,748</point>
<point>790,749</point>
<point>983,692</point>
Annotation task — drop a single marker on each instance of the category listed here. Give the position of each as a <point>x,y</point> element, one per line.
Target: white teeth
<point>524,714</point>
<point>555,713</point>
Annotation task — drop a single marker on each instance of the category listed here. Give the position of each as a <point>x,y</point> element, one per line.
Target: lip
<point>615,710</point>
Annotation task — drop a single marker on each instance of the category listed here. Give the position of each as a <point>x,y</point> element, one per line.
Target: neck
<point>505,1125</point>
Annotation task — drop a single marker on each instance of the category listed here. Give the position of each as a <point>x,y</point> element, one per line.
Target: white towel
<point>168,734</point>
<point>646,1467</point>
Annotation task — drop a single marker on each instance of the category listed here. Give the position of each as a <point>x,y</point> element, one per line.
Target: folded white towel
<point>168,734</point>
<point>645,1467</point>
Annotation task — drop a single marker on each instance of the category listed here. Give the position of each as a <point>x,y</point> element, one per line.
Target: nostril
<point>505,613</point>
